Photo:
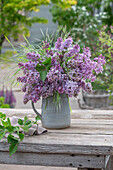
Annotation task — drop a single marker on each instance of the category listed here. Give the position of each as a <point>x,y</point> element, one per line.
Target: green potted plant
<point>102,94</point>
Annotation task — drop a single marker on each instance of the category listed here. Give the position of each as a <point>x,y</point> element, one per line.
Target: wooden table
<point>88,143</point>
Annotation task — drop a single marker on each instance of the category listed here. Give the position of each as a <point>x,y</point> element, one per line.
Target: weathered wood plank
<point>79,127</point>
<point>63,160</point>
<point>83,128</point>
<point>76,114</point>
<point>93,121</point>
<point>71,139</point>
<point>65,143</point>
<point>92,114</point>
<point>59,149</point>
<point>31,167</point>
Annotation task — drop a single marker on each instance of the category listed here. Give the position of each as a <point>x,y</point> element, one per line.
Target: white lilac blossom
<point>69,70</point>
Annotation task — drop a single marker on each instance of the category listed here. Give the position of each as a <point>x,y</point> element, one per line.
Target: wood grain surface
<point>87,143</point>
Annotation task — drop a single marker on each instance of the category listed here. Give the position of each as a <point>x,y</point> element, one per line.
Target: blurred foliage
<point>2,104</point>
<point>14,19</point>
<point>64,4</point>
<point>7,98</point>
<point>105,47</point>
<point>84,19</point>
<point>7,57</point>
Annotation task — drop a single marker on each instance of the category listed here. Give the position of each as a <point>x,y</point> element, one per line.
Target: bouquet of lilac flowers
<point>59,69</point>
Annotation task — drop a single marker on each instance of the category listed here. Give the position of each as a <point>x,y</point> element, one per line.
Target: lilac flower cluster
<point>70,70</point>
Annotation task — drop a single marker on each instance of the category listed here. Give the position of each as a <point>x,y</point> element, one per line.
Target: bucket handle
<point>34,109</point>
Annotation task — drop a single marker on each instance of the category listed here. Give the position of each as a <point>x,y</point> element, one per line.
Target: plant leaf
<point>37,118</point>
<point>9,122</point>
<point>58,99</point>
<point>40,68</point>
<point>25,119</point>
<point>12,149</point>
<point>21,136</point>
<point>12,139</point>
<point>20,121</point>
<point>26,128</point>
<point>26,39</point>
<point>47,62</point>
<point>10,43</point>
<point>16,129</point>
<point>2,134</point>
<point>5,123</point>
<point>43,75</point>
<point>1,127</point>
<point>2,116</point>
<point>28,122</point>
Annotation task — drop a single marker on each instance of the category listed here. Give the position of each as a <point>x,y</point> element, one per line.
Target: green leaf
<point>12,139</point>
<point>9,129</point>
<point>54,1</point>
<point>26,39</point>
<point>47,62</point>
<point>37,118</point>
<point>12,149</point>
<point>9,122</point>
<point>21,136</point>
<point>16,129</point>
<point>2,134</point>
<point>69,105</point>
<point>28,122</point>
<point>5,123</point>
<point>10,42</point>
<point>58,99</point>
<point>2,116</point>
<point>20,121</point>
<point>26,128</point>
<point>40,68</point>
<point>1,127</point>
<point>69,58</point>
<point>49,68</point>
<point>43,75</point>
<point>25,119</point>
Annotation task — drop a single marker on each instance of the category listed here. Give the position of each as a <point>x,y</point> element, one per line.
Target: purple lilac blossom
<point>12,101</point>
<point>58,43</point>
<point>2,93</point>
<point>70,71</point>
<point>66,44</point>
<point>7,97</point>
